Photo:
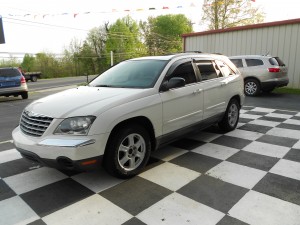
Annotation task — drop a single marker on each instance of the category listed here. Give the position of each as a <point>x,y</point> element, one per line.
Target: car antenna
<point>268,53</point>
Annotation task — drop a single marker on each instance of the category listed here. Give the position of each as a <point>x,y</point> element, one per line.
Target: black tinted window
<point>276,61</point>
<point>207,70</point>
<point>9,72</point>
<point>185,71</point>
<point>254,62</point>
<point>237,62</point>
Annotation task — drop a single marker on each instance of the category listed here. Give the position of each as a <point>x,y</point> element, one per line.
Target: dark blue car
<point>12,83</point>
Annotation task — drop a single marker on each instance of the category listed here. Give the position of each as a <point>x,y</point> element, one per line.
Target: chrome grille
<point>34,124</point>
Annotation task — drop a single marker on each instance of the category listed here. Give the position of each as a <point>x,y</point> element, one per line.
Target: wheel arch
<point>238,98</point>
<point>252,78</point>
<point>139,120</point>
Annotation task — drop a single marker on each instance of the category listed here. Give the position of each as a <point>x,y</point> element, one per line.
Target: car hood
<point>84,100</point>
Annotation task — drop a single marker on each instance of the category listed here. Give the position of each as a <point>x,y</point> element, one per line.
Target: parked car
<point>261,73</point>
<point>130,110</point>
<point>12,83</point>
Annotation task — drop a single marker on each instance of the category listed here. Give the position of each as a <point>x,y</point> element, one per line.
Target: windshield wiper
<point>103,85</point>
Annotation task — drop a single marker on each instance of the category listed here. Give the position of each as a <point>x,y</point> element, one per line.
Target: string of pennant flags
<point>35,15</point>
<point>192,5</point>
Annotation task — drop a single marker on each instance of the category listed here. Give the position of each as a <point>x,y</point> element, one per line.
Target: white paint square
<point>178,209</point>
<point>287,168</point>
<point>293,122</point>
<point>256,208</point>
<point>248,135</point>
<point>279,115</point>
<point>92,210</point>
<point>170,175</point>
<point>249,116</point>
<point>216,151</point>
<point>266,149</point>
<point>33,179</point>
<point>265,123</point>
<point>97,181</point>
<point>15,211</point>
<point>297,145</point>
<point>281,132</point>
<point>266,110</point>
<point>9,155</point>
<point>237,174</point>
<point>168,153</point>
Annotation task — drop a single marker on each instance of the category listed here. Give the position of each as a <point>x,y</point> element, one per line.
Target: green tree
<point>28,62</point>
<point>123,38</point>
<point>48,65</point>
<point>221,14</point>
<point>96,42</point>
<point>162,34</point>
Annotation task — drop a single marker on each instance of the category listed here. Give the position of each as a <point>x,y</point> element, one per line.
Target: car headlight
<point>75,125</point>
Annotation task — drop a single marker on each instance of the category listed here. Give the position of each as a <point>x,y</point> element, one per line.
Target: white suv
<point>129,111</point>
<point>261,72</point>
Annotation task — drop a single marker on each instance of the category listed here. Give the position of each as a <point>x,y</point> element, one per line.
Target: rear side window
<point>237,62</point>
<point>276,61</point>
<point>254,62</point>
<point>207,70</point>
<point>9,72</point>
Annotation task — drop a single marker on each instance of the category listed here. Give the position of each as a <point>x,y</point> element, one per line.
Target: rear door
<point>212,84</point>
<point>218,85</point>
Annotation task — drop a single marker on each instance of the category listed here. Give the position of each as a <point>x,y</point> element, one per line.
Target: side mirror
<point>174,82</point>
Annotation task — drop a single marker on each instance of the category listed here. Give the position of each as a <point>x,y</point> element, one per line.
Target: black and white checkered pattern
<point>248,176</point>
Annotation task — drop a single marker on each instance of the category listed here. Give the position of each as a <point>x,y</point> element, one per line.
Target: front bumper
<point>64,152</point>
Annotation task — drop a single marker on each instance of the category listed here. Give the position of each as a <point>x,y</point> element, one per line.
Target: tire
<point>251,87</point>
<point>33,78</point>
<point>231,117</point>
<point>24,95</point>
<point>127,152</point>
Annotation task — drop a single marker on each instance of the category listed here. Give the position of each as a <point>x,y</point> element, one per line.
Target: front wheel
<point>128,151</point>
<point>231,117</point>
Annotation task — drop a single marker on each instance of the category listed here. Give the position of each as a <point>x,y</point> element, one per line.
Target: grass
<point>286,90</point>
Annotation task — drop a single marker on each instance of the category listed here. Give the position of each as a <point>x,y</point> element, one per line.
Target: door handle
<point>197,91</point>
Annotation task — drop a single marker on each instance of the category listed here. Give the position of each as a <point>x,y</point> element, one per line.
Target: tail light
<point>23,80</point>
<point>274,70</point>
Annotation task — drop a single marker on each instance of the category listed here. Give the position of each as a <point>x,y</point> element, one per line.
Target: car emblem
<point>31,114</point>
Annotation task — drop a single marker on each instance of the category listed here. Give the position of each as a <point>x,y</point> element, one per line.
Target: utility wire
<point>44,24</point>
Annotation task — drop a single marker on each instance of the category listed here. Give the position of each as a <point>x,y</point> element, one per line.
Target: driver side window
<point>185,71</point>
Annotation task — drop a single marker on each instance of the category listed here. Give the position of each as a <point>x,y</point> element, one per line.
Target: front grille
<point>34,124</point>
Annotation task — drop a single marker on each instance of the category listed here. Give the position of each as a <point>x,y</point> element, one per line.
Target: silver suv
<point>261,73</point>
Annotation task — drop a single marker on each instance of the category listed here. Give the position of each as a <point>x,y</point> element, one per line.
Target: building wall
<point>278,39</point>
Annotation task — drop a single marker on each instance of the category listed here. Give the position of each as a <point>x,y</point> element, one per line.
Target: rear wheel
<point>24,95</point>
<point>231,117</point>
<point>33,78</point>
<point>128,151</point>
<point>251,87</point>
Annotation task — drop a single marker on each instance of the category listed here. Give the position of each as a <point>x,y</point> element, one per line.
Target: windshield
<point>131,74</point>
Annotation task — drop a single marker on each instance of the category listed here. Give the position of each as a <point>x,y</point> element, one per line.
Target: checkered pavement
<point>248,176</point>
